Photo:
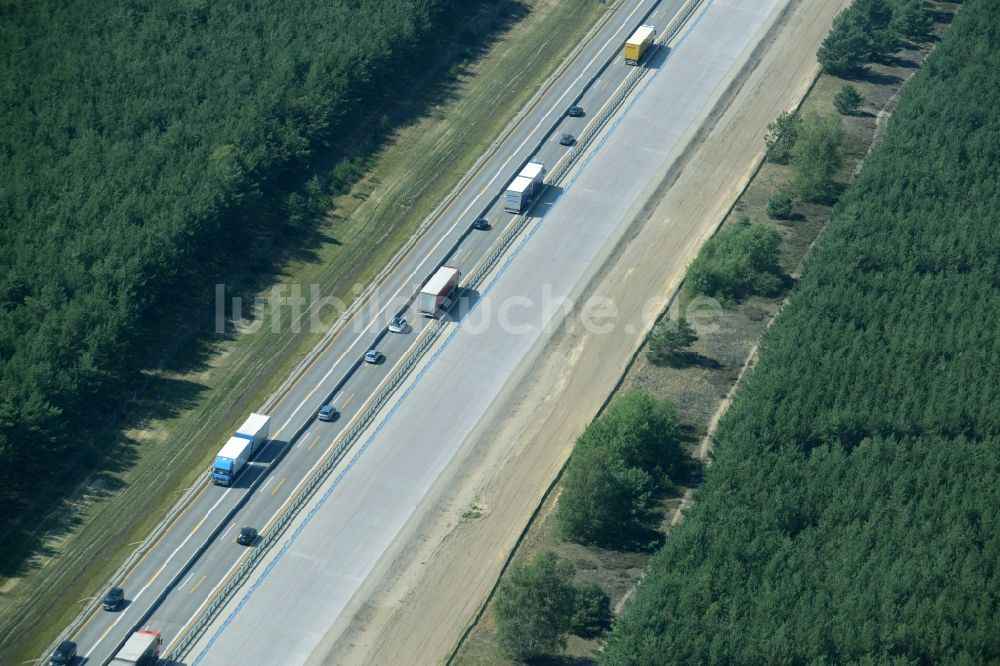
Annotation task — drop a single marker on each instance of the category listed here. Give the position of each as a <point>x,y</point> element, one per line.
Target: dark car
<point>327,413</point>
<point>114,598</point>
<point>64,654</point>
<point>398,324</point>
<point>481,223</point>
<point>575,112</point>
<point>567,140</point>
<point>247,536</point>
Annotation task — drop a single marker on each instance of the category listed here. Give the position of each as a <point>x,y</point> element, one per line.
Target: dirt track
<point>417,603</point>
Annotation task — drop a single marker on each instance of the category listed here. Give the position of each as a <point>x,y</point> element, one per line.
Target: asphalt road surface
<point>169,585</point>
<point>309,580</point>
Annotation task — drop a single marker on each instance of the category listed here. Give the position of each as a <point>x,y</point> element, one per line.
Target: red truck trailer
<point>141,649</point>
<point>438,290</point>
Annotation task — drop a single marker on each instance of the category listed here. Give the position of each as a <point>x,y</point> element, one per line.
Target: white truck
<point>240,448</point>
<point>520,191</point>
<point>255,429</point>
<point>141,649</point>
<point>437,291</point>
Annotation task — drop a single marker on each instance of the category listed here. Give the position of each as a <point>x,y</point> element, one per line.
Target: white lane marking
<point>264,485</point>
<point>155,576</point>
<point>461,216</point>
<point>186,581</point>
<point>211,595</point>
<point>222,537</point>
<point>366,331</point>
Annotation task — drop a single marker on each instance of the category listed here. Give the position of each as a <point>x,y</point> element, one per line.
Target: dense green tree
<point>780,207</point>
<point>817,156</point>
<point>592,613</point>
<point>602,496</point>
<point>641,430</point>
<point>670,341</point>
<point>848,100</point>
<point>781,135</point>
<point>147,152</point>
<point>742,259</point>
<point>848,47</point>
<point>867,31</point>
<point>877,16</point>
<point>852,510</point>
<point>535,605</point>
<point>617,463</point>
<point>912,20</point>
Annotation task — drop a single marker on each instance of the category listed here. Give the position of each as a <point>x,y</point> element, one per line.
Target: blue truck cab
<point>239,449</point>
<point>231,460</point>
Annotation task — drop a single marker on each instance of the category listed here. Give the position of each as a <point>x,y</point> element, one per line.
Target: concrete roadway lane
<point>290,604</point>
<point>207,519</point>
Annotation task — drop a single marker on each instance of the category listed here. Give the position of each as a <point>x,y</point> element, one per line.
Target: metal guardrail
<point>275,531</point>
<point>630,83</point>
<point>358,302</point>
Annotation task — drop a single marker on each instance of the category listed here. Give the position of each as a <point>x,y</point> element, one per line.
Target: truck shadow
<point>262,464</point>
<point>274,451</point>
<point>658,54</point>
<point>546,200</point>
<point>463,306</point>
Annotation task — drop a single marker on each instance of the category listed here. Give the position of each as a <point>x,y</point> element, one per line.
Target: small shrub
<point>816,157</point>
<point>779,206</point>
<point>669,343</point>
<point>848,101</point>
<point>781,136</point>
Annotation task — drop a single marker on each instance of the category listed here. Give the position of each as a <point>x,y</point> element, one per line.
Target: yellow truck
<point>637,45</point>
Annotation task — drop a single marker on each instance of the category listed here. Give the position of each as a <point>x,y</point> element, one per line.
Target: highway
<point>171,583</point>
<point>291,604</point>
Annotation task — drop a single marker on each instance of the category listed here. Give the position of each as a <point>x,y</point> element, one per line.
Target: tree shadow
<point>941,17</point>
<point>693,359</point>
<point>879,78</point>
<point>829,197</point>
<point>562,660</point>
<point>900,62</point>
<point>93,474</point>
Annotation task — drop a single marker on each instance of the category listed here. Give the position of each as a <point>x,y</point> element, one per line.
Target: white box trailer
<point>141,649</point>
<point>533,170</point>
<point>520,191</point>
<point>255,429</point>
<point>435,293</point>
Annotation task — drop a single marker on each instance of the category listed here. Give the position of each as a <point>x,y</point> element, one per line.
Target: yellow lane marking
<point>200,581</point>
<point>280,482</point>
<point>135,567</point>
<point>341,357</point>
<point>347,401</point>
<point>106,632</point>
<point>312,444</point>
<point>200,522</point>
